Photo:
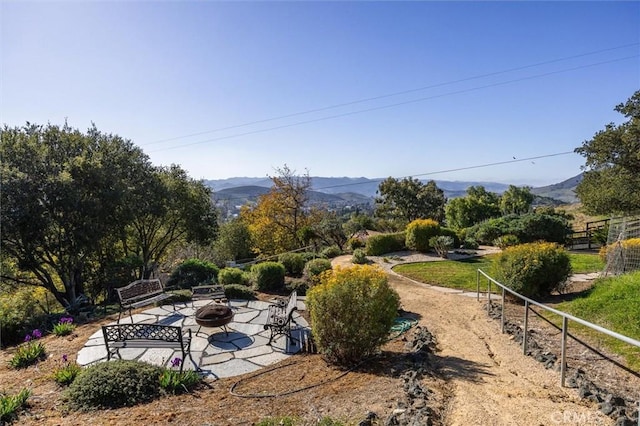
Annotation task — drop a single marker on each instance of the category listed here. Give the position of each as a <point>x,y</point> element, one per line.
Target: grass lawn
<point>613,303</point>
<point>584,263</point>
<point>461,274</point>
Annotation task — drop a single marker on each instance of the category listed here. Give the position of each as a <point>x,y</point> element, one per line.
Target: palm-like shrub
<point>534,269</point>
<point>352,311</point>
<point>419,232</point>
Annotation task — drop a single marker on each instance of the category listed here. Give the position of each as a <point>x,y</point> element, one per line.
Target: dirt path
<point>492,382</point>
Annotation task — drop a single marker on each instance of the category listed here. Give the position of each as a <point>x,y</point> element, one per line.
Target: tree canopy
<point>612,176</point>
<point>516,200</point>
<point>478,205</point>
<point>72,201</point>
<point>276,221</point>
<point>410,199</point>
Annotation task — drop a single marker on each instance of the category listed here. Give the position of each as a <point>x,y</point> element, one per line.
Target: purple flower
<point>27,338</point>
<point>66,320</point>
<point>36,334</point>
<point>176,362</point>
<point>64,358</point>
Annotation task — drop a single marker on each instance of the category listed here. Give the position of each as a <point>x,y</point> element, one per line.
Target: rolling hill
<point>360,190</point>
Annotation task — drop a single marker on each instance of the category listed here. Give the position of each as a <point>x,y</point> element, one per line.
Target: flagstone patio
<point>213,353</point>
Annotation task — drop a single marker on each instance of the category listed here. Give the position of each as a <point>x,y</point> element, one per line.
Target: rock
<point>606,408</point>
<point>584,392</point>
<point>369,419</point>
<point>624,421</point>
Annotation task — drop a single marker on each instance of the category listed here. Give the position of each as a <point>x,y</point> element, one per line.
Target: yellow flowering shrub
<point>352,311</point>
<point>533,269</point>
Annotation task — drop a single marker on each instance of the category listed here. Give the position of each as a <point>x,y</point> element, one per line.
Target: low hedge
<point>380,244</point>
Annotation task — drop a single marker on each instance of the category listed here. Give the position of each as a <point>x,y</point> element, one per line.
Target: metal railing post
<point>477,285</point>
<point>526,324</point>
<point>502,313</point>
<point>563,365</point>
<point>488,296</point>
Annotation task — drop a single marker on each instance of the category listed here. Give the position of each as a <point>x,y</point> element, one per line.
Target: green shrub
<point>441,244</point>
<point>380,244</point>
<point>299,285</point>
<point>470,244</point>
<point>293,263</point>
<point>268,276</point>
<point>29,352</point>
<point>20,312</point>
<point>232,276</point>
<point>193,272</point>
<point>239,291</point>
<point>528,228</point>
<point>534,269</point>
<point>419,232</point>
<point>359,257</point>
<point>315,267</point>
<point>448,232</point>
<point>120,383</point>
<point>331,252</point>
<point>352,311</point>
<point>66,373</point>
<point>543,227</point>
<point>355,243</point>
<point>10,405</point>
<point>505,241</point>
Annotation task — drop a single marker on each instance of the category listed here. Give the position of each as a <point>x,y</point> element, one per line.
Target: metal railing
<point>565,321</point>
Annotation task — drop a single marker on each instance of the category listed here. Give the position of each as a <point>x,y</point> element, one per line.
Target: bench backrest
<point>207,292</point>
<point>293,303</point>
<point>122,332</point>
<point>139,289</point>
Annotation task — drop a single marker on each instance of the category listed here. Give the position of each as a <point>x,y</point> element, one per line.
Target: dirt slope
<point>492,382</point>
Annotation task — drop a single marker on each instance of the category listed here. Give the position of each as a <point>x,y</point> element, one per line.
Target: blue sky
<point>156,72</point>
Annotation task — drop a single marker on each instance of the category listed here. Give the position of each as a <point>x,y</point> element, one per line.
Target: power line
<point>457,92</point>
<point>458,169</point>
<point>498,163</point>
<point>403,92</point>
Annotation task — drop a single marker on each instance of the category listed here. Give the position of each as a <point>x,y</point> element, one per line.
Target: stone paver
<point>214,353</point>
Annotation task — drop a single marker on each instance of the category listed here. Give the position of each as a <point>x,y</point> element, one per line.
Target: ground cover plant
<point>64,326</point>
<point>67,372</point>
<point>10,405</point>
<point>30,352</point>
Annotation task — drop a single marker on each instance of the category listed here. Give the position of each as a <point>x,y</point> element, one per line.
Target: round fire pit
<point>214,315</point>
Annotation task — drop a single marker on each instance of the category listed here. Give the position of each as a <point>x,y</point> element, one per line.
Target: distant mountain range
<point>361,190</point>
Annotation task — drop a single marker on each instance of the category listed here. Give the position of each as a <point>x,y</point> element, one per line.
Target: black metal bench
<point>280,317</point>
<point>140,293</point>
<point>152,336</point>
